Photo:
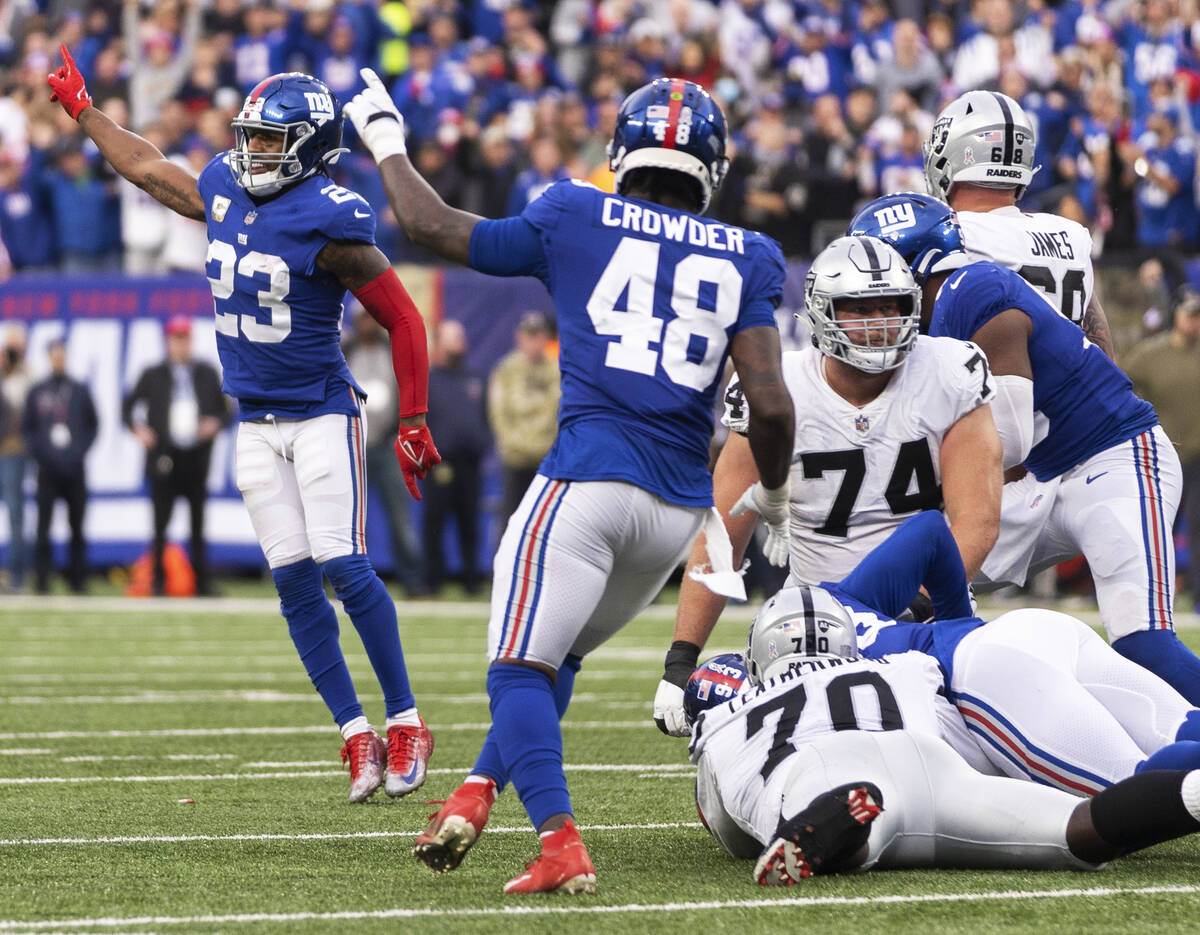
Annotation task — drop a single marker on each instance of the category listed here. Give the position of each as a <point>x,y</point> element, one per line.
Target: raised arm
<point>136,159</point>
<point>425,217</point>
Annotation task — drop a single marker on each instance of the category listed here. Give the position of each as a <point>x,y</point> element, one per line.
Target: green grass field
<point>166,767</point>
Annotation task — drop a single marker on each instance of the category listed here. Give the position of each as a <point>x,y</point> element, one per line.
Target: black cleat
<point>822,837</point>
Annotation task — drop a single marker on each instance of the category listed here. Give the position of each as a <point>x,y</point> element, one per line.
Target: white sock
<point>357,726</point>
<point>1189,791</point>
<point>405,718</point>
<point>479,777</point>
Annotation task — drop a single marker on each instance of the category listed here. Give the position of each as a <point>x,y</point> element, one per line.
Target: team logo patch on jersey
<point>250,218</point>
<point>862,424</point>
<point>220,205</point>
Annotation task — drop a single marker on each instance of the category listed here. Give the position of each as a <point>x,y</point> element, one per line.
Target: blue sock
<point>1183,754</point>
<point>373,614</point>
<point>313,627</point>
<point>525,726</point>
<point>489,761</point>
<point>1162,653</point>
<point>1190,728</point>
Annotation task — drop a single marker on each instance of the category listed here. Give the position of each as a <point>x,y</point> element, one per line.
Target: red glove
<point>68,87</point>
<point>416,453</point>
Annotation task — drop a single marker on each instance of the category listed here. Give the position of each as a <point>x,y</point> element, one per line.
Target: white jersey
<point>749,743</point>
<point>1051,253</point>
<point>858,473</point>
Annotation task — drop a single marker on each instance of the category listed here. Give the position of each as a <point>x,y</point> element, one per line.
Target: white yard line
<point>260,695</point>
<point>314,729</point>
<point>316,836</point>
<point>13,925</point>
<point>326,772</point>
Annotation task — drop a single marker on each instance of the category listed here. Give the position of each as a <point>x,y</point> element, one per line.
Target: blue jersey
<point>647,300</point>
<point>1088,402</point>
<point>278,316</point>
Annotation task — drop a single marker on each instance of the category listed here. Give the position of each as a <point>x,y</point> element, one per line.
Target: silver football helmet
<point>798,623</point>
<point>982,137</point>
<point>860,268</point>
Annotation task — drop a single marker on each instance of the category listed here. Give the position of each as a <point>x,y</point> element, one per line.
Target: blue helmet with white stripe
<point>922,229</point>
<point>798,623</point>
<point>671,124</point>
<point>714,682</point>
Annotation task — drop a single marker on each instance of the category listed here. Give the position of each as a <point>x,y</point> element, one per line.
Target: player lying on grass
<point>894,423</point>
<point>831,763</point>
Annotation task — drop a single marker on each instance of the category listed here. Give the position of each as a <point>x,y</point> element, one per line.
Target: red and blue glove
<point>68,87</point>
<point>417,454</point>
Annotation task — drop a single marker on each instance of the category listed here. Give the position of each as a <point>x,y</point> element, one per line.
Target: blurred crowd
<point>829,101</point>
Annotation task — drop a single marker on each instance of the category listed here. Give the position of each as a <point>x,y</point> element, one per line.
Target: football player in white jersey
<point>896,423</point>
<point>832,764</point>
<point>979,159</point>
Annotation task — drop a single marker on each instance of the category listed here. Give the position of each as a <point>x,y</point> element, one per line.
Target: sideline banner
<point>113,326</point>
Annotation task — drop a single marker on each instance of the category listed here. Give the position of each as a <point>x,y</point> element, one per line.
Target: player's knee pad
<point>300,590</point>
<point>353,579</point>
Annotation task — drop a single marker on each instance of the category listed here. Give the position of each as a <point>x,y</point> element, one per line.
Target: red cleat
<point>455,826</point>
<point>365,754</point>
<point>564,866</point>
<point>408,751</point>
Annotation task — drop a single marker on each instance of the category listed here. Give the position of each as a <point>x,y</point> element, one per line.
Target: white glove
<point>668,710</point>
<point>772,506</point>
<point>376,119</point>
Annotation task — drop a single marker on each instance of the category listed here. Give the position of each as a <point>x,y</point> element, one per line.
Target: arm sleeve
<point>921,552</point>
<point>508,247</point>
<point>388,302</point>
<point>763,293</point>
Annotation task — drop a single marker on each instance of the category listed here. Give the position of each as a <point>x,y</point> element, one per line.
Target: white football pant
<point>579,560</point>
<point>1048,700</point>
<point>305,486</point>
<point>1116,509</point>
<point>937,811</point>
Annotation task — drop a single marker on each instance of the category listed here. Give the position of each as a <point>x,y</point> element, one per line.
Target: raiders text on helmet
<point>983,137</point>
<point>862,268</point>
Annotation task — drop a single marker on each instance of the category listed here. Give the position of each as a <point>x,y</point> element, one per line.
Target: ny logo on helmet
<point>895,218</point>
<point>320,106</point>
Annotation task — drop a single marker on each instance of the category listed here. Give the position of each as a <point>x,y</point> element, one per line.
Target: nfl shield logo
<point>250,217</point>
<point>862,423</point>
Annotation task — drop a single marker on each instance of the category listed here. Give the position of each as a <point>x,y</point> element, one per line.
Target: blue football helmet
<point>305,113</point>
<point>715,681</point>
<point>672,124</point>
<point>923,230</point>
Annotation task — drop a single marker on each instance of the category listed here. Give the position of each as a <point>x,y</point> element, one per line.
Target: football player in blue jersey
<point>650,299</point>
<point>285,244</point>
<point>1090,469</point>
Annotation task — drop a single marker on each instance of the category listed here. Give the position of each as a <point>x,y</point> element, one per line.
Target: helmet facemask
<point>873,343</point>
<point>864,272</point>
<point>276,169</point>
